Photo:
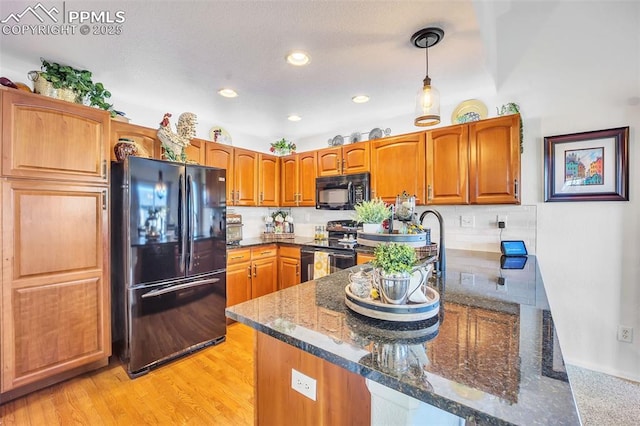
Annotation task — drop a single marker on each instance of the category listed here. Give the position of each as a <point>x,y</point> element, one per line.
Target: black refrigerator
<point>168,260</point>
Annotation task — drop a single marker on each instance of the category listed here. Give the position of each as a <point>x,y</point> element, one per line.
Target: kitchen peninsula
<point>489,357</point>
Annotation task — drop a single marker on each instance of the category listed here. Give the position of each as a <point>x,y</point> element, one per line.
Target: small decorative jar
<point>124,148</point>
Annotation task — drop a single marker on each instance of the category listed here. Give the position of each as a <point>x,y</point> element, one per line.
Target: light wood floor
<point>211,387</point>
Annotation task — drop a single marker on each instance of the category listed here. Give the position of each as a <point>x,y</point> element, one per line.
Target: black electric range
<point>340,247</point>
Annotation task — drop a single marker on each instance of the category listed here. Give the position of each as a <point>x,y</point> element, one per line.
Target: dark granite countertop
<point>489,354</point>
<point>254,242</point>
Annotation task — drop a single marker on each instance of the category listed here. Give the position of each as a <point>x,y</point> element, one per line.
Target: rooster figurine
<point>173,143</point>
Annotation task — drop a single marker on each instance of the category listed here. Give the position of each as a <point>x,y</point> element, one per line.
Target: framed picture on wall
<point>588,166</point>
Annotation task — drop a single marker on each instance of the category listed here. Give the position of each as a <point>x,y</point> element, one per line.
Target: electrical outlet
<point>501,218</point>
<point>467,221</point>
<point>467,279</point>
<point>303,384</point>
<point>625,334</point>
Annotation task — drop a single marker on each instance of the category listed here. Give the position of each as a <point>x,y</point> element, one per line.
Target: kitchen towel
<point>320,264</point>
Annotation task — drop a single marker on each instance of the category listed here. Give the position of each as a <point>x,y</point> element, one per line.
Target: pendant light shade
<point>428,97</point>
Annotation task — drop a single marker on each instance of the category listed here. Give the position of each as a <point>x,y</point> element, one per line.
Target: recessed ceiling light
<point>227,93</point>
<point>298,58</point>
<point>360,99</point>
<point>294,117</point>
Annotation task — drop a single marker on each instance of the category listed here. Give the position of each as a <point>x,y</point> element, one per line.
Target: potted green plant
<point>394,264</point>
<point>70,84</point>
<point>283,147</point>
<point>371,214</point>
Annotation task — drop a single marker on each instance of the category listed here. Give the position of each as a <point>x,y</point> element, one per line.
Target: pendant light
<point>428,98</point>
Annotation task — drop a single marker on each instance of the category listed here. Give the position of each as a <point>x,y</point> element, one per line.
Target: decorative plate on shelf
<point>375,134</point>
<point>469,110</point>
<point>218,134</point>
<point>337,140</point>
<point>355,137</point>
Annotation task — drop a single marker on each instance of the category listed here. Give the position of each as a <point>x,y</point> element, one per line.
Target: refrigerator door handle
<point>191,220</point>
<point>172,289</point>
<point>181,225</point>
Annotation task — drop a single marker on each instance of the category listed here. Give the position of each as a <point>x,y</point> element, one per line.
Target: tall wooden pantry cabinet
<point>55,296</point>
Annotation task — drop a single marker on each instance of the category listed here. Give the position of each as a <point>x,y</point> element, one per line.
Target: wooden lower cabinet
<point>55,284</point>
<point>238,276</point>
<point>251,273</point>
<point>265,276</point>
<point>342,396</point>
<point>364,258</point>
<point>288,266</point>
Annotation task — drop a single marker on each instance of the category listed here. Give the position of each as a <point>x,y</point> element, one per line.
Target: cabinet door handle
<point>429,193</point>
<point>338,165</point>
<point>104,200</point>
<point>261,200</point>
<point>344,162</point>
<point>237,257</point>
<point>104,169</point>
<point>255,270</point>
<point>249,271</point>
<point>515,188</point>
<point>297,269</point>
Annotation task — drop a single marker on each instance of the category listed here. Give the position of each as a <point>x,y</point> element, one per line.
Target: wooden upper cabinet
<point>52,139</point>
<point>355,158</point>
<point>145,138</point>
<point>196,151</point>
<point>289,180</point>
<point>494,160</point>
<point>329,161</point>
<point>341,160</point>
<point>221,156</point>
<point>398,164</point>
<point>448,165</point>
<point>245,177</point>
<point>307,178</point>
<point>298,179</point>
<point>268,180</point>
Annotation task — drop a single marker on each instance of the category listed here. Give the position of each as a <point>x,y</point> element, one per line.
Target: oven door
<point>338,260</point>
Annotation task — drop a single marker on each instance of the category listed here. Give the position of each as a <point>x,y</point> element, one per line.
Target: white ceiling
<point>175,55</point>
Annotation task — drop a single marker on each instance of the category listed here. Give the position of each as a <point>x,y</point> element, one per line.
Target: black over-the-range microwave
<point>342,192</point>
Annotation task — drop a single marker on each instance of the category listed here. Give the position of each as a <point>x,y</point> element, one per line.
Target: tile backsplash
<point>466,227</point>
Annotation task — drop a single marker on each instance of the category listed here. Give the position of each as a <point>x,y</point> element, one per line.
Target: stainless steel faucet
<point>440,264</point>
